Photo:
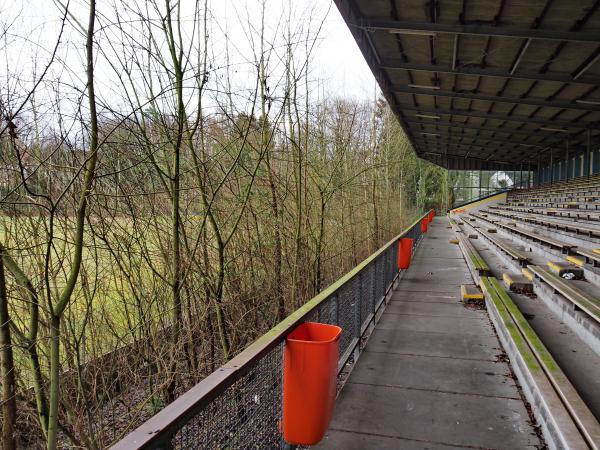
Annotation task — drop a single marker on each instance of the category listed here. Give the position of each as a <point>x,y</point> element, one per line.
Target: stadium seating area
<point>548,240</point>
<point>537,258</point>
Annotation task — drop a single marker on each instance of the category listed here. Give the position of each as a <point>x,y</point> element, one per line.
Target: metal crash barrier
<point>240,404</point>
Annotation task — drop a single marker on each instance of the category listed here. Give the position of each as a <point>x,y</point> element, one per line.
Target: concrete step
<point>517,283</point>
<point>527,273</point>
<point>470,292</point>
<point>576,260</point>
<point>566,270</point>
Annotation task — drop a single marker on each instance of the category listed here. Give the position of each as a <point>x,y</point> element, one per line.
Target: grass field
<point>103,312</point>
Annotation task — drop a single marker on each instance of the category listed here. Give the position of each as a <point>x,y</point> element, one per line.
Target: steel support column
<point>567,159</point>
<point>588,153</point>
<point>551,165</point>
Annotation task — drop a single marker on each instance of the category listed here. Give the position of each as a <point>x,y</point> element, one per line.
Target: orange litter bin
<point>405,246</point>
<point>310,365</point>
<point>424,223</point>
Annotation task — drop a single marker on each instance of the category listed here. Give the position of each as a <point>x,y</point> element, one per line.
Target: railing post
<point>371,294</point>
<point>358,308</point>
<point>393,264</point>
<point>390,268</point>
<point>336,305</point>
<point>387,272</point>
<point>374,287</point>
<point>165,444</point>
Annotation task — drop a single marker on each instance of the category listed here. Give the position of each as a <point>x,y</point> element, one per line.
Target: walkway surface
<point>433,374</point>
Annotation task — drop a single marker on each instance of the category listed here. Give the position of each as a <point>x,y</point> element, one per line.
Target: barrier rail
<point>480,198</point>
<point>240,404</point>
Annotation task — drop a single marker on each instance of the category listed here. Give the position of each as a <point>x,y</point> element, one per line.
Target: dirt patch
<point>503,358</point>
<point>475,304</point>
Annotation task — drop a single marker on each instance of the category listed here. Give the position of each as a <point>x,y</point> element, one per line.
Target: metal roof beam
<point>475,163</point>
<point>491,152</point>
<point>396,64</point>
<point>477,138</point>
<point>453,144</point>
<point>495,116</point>
<point>501,99</point>
<point>470,150</point>
<point>425,28</point>
<point>549,138</point>
<point>506,151</point>
<point>544,134</point>
<point>515,145</point>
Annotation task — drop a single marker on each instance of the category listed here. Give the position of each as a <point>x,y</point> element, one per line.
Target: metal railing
<point>240,404</point>
<point>456,205</point>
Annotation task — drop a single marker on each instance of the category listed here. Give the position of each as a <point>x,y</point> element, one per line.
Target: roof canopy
<point>485,84</point>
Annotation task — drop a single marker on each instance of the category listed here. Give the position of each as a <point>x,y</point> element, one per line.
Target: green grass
<point>102,302</point>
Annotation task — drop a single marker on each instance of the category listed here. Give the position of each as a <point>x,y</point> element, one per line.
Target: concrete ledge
<point>470,292</point>
<point>557,426</point>
<point>576,319</point>
<point>517,283</point>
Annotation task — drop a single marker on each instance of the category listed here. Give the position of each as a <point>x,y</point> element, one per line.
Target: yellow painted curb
<point>469,292</point>
<point>527,273</point>
<point>554,267</point>
<point>575,260</point>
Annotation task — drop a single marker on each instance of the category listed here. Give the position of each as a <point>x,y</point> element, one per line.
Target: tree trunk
<point>319,248</point>
<point>175,219</point>
<point>65,296</point>
<point>7,369</point>
<point>376,230</point>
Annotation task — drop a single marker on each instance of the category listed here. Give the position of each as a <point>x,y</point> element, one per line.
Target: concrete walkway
<point>432,375</point>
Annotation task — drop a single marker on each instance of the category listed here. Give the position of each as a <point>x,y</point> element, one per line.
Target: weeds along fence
<point>240,404</point>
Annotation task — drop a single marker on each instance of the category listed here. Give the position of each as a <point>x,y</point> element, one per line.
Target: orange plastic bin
<point>310,365</point>
<point>405,246</point>
<point>424,223</point>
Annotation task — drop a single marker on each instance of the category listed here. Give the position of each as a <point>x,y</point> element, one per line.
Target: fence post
<point>372,294</point>
<point>336,305</point>
<point>374,287</point>
<point>358,307</point>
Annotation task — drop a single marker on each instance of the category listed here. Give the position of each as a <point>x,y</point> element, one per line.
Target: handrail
<point>158,431</point>
<point>481,197</point>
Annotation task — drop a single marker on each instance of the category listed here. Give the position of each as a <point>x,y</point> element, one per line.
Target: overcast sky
<point>341,60</point>
<point>337,62</point>
<point>337,58</point>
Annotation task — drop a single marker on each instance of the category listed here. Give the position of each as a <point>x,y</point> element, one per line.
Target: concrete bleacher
<point>579,193</point>
<point>555,246</point>
<point>544,244</point>
<point>572,206</point>
<point>558,317</point>
<point>540,215</point>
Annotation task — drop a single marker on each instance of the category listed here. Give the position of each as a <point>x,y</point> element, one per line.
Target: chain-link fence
<point>239,406</point>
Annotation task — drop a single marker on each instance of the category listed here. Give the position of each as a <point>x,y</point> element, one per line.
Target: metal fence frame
<point>240,404</point>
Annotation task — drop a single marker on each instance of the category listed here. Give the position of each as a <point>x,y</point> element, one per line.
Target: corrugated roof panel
<point>495,68</point>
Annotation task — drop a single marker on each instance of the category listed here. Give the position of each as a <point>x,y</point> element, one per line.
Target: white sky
<point>337,65</point>
<point>337,59</point>
<point>341,60</point>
